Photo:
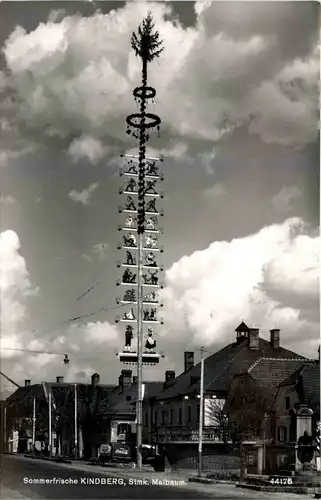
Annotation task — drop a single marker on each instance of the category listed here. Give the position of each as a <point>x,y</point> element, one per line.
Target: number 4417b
<point>280,481</point>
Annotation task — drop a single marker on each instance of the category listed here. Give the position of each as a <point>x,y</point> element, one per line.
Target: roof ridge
<point>254,364</point>
<point>277,359</point>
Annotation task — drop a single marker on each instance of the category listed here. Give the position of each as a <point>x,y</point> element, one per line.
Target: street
<point>22,478</point>
<point>21,475</point>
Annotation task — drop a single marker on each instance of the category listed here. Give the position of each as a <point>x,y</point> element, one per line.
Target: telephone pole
<point>76,420</point>
<point>34,426</point>
<point>142,174</point>
<point>201,418</point>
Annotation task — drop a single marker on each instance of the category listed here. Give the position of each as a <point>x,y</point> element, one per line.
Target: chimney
<point>135,379</point>
<point>27,382</point>
<point>188,360</point>
<point>59,380</point>
<point>95,379</point>
<point>169,375</point>
<point>275,338</point>
<point>125,379</point>
<point>254,341</point>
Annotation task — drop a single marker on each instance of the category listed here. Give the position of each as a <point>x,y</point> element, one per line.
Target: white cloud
<point>283,201</point>
<point>15,285</point>
<point>83,342</point>
<point>7,200</point>
<point>234,67</point>
<point>87,147</point>
<point>85,195</point>
<point>215,191</point>
<point>209,292</point>
<point>86,257</point>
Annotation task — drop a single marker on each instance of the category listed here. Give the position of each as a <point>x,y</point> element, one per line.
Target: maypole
<point>141,226</point>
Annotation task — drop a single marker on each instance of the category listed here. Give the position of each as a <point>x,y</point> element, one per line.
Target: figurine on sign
<point>130,296</point>
<point>151,297</point>
<point>150,315</point>
<point>130,221</point>
<point>132,167</point>
<point>130,204</point>
<point>151,241</point>
<point>131,186</point>
<point>66,359</point>
<point>130,261</point>
<point>150,340</point>
<point>129,276</point>
<point>130,315</point>
<point>152,168</point>
<point>150,260</point>
<point>151,278</point>
<point>151,223</point>
<point>130,240</point>
<point>128,337</point>
<point>150,188</point>
<point>150,207</point>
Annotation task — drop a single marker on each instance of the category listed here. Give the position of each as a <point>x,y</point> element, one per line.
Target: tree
<point>60,415</point>
<point>215,415</point>
<point>92,415</point>
<point>247,405</point>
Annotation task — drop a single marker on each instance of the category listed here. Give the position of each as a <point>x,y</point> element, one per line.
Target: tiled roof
<point>220,367</point>
<point>273,371</point>
<point>120,402</point>
<point>310,377</point>
<point>307,380</point>
<point>242,328</point>
<point>59,391</point>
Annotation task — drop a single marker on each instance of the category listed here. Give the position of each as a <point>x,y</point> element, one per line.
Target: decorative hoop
<point>147,92</point>
<point>154,120</point>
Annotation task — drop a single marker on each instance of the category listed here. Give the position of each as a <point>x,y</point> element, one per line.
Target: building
<point>7,387</point>
<point>174,410</point>
<point>92,402</point>
<point>282,392</point>
<point>105,413</point>
<point>122,407</point>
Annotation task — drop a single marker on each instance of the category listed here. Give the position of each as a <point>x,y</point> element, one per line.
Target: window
<point>189,413</point>
<point>123,428</point>
<point>180,416</point>
<point>198,413</point>
<point>146,418</point>
<point>287,402</point>
<point>155,418</point>
<point>128,398</point>
<point>163,417</point>
<point>282,433</point>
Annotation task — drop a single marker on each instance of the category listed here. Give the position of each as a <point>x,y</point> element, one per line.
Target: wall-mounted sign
<point>105,450</point>
<point>121,451</point>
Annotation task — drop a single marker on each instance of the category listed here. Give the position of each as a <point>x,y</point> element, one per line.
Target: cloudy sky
<point>237,92</point>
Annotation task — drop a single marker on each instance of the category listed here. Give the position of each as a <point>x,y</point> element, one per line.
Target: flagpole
<point>50,425</point>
